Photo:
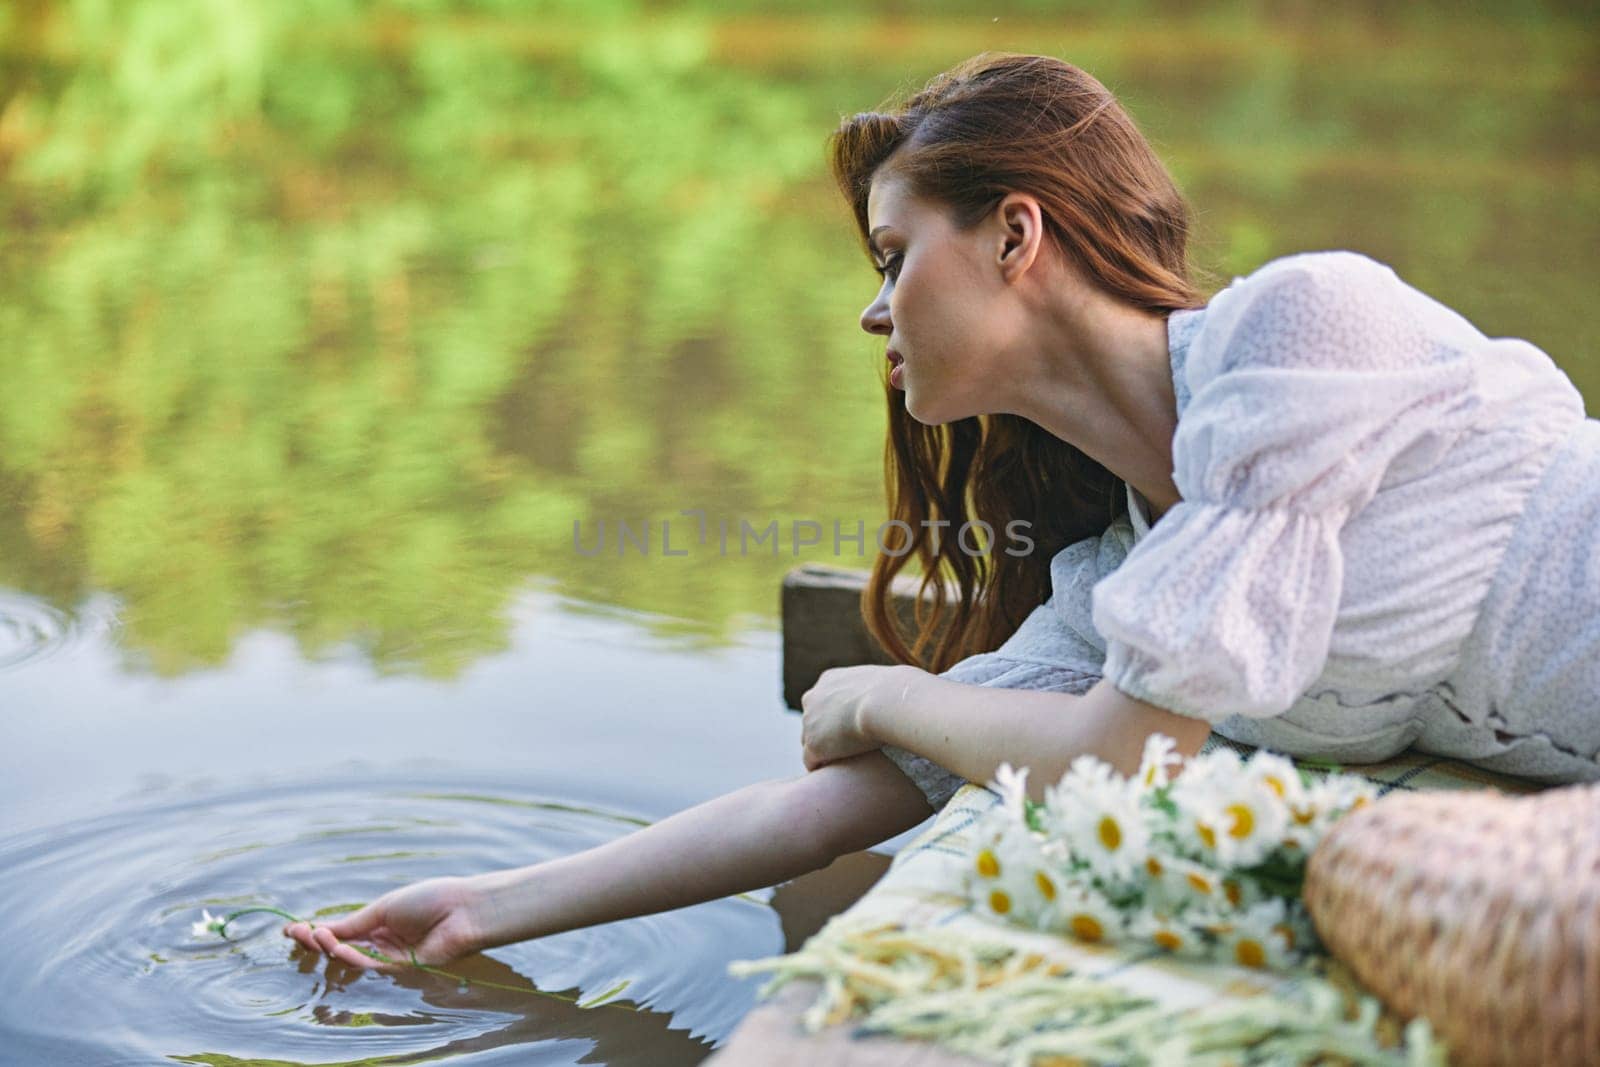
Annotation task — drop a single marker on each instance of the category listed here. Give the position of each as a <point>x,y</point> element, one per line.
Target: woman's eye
<point>891,266</point>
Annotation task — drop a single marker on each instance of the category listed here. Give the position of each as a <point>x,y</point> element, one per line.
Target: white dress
<point>1389,536</point>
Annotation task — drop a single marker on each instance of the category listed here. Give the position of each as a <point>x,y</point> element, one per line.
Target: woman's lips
<point>896,368</point>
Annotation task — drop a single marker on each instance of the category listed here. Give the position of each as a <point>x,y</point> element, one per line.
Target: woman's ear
<point>1021,233</point>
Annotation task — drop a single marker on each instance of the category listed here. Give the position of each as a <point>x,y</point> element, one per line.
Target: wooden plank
<point>823,626</point>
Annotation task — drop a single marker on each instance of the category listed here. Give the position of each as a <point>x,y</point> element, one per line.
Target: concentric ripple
<point>101,966</point>
<point>31,629</point>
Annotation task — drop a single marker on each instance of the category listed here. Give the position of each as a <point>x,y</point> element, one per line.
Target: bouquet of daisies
<point>1202,858</point>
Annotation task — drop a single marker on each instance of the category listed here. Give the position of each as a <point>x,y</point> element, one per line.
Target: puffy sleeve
<point>1055,649</point>
<point>1307,379</point>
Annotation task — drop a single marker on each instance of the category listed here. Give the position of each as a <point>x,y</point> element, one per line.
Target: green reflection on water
<point>335,317</point>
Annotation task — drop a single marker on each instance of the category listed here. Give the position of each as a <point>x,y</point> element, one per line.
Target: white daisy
<point>1195,824</point>
<point>1167,932</point>
<point>1259,936</point>
<point>1087,773</point>
<point>1159,754</point>
<point>1277,773</point>
<point>1009,877</point>
<point>1161,877</point>
<point>1298,840</point>
<point>1227,816</point>
<point>1097,814</point>
<point>1012,786</point>
<point>1085,914</point>
<point>1218,763</point>
<point>209,924</point>
<point>1323,803</point>
<point>1195,882</point>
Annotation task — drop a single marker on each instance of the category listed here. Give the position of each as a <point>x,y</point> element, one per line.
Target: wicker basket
<point>1477,910</point>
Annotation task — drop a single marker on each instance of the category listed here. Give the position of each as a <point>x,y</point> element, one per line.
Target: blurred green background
<point>332,317</point>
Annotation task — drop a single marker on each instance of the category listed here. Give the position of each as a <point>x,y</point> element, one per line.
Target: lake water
<point>274,780</point>
<point>322,324</point>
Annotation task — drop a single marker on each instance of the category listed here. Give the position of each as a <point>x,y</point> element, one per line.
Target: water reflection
<point>319,784</point>
<point>98,941</point>
<point>339,324</point>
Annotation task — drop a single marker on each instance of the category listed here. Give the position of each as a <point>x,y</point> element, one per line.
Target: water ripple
<point>32,629</point>
<point>99,947</point>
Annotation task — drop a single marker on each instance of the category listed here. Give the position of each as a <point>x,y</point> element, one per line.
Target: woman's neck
<point>1100,378</point>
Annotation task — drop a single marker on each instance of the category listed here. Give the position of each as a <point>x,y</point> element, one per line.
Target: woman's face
<point>937,304</point>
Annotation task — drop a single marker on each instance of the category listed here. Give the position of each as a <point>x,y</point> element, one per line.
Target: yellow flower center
<point>1250,953</point>
<point>1087,928</point>
<point>1275,784</point>
<point>1000,902</point>
<point>1167,940</point>
<point>1360,802</point>
<point>1231,888</point>
<point>1288,934</point>
<point>1153,865</point>
<point>1244,820</point>
<point>1047,888</point>
<point>1207,834</point>
<point>988,866</point>
<point>1200,883</point>
<point>1303,816</point>
<point>1110,833</point>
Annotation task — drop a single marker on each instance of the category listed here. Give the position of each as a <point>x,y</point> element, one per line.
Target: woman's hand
<point>433,922</point>
<point>838,710</point>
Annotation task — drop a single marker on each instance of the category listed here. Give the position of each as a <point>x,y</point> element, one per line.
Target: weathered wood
<point>823,626</point>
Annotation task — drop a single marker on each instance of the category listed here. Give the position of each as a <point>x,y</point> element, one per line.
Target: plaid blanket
<point>922,890</point>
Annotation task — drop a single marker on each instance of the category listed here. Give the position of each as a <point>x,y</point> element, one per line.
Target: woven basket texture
<point>1477,910</point>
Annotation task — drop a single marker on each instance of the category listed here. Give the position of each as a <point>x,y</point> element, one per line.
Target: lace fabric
<point>1354,461</point>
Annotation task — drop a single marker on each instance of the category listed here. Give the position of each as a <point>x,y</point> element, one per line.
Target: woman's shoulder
<point>1334,310</point>
<point>1303,277</point>
<point>1329,266</point>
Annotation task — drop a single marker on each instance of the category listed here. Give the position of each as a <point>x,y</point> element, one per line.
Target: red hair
<point>995,124</point>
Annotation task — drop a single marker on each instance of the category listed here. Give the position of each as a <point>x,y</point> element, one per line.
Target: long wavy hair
<point>995,124</point>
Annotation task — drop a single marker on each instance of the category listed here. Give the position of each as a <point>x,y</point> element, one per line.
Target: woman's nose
<point>875,319</point>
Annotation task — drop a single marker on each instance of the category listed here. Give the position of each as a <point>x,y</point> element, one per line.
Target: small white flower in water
<point>208,924</point>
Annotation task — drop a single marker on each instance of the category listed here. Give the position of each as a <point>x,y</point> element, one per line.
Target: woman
<point>1321,513</point>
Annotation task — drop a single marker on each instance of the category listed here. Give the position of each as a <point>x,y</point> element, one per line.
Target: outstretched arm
<point>755,837</point>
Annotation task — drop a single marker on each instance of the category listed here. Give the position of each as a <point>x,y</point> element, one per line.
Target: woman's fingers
<point>355,924</point>
<point>342,952</point>
<point>301,932</point>
<point>326,939</point>
<point>322,939</point>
